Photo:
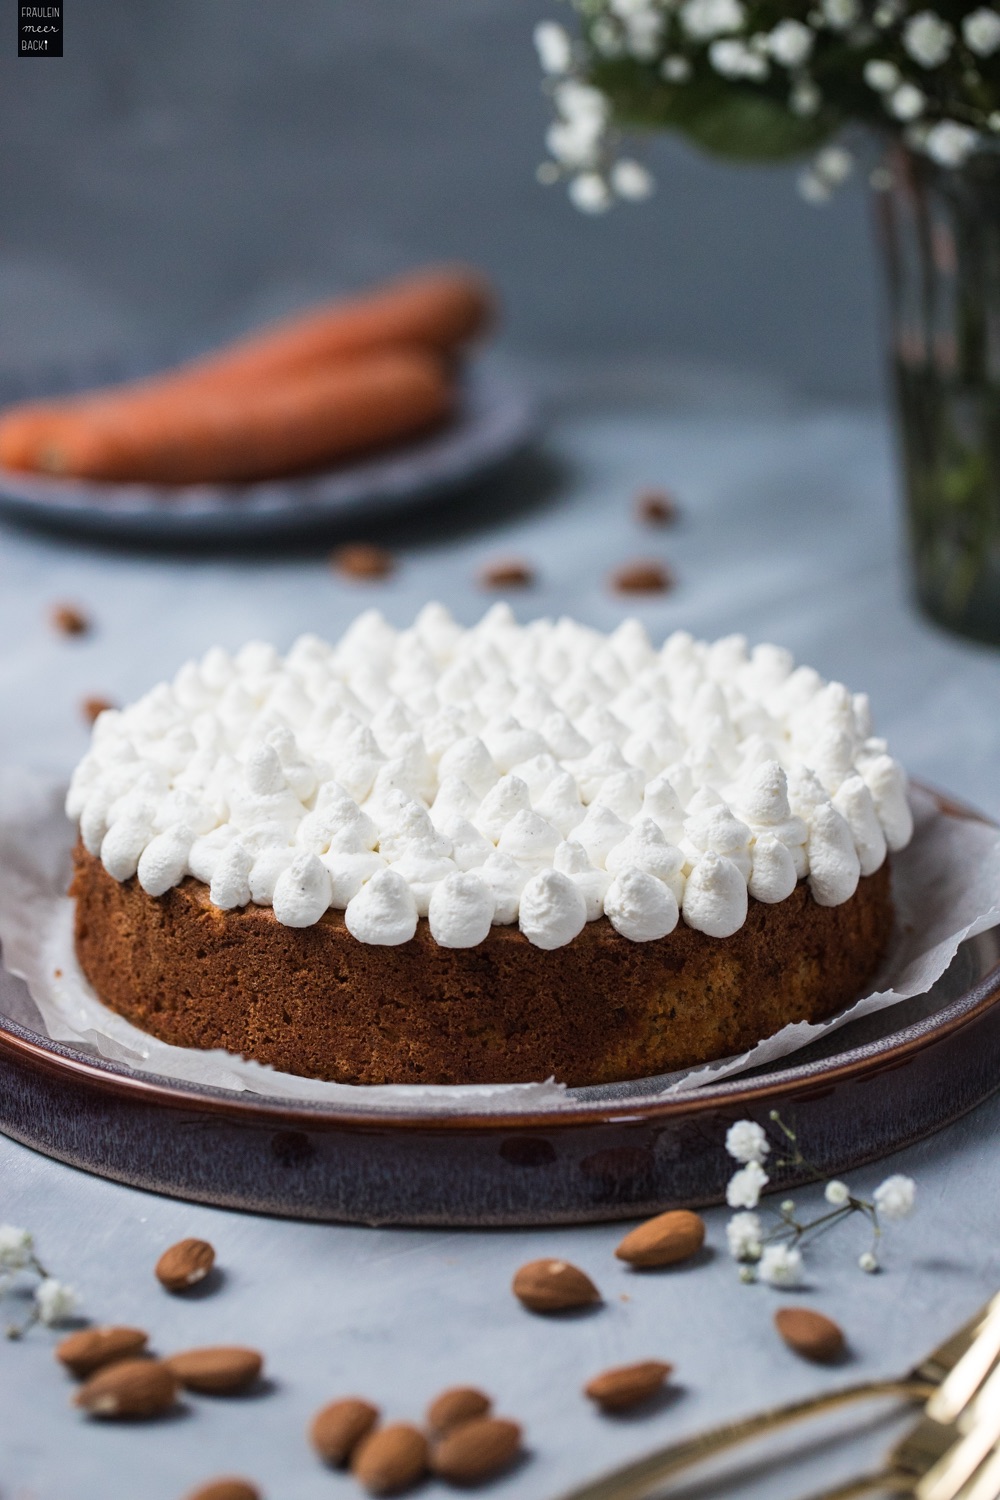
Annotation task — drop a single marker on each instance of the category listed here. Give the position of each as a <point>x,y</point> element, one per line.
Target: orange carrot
<point>215,433</point>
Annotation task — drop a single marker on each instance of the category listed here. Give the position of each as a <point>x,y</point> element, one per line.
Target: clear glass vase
<point>940,231</point>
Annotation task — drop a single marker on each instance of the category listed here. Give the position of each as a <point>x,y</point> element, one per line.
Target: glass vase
<point>940,231</point>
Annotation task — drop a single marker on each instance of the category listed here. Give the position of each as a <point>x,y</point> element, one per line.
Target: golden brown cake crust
<point>315,1001</point>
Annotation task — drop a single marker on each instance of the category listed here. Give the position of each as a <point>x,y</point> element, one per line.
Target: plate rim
<point>20,1045</point>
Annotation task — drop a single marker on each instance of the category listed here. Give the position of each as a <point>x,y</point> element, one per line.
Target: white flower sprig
<point>774,1255</point>
<point>52,1302</point>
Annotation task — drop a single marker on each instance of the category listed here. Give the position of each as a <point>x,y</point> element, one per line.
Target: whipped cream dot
<point>302,892</point>
<point>383,912</point>
<point>715,896</point>
<point>639,906</point>
<point>460,913</point>
<point>552,910</point>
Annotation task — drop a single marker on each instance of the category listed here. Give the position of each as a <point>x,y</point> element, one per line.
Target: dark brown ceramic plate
<point>862,1092</point>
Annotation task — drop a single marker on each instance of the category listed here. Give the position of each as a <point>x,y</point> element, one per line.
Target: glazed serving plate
<point>494,422</point>
<point>857,1094</point>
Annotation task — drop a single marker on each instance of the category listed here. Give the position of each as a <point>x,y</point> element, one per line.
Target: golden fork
<point>952,1375</point>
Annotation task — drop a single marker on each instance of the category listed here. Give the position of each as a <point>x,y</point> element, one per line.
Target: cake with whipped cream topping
<point>496,854</point>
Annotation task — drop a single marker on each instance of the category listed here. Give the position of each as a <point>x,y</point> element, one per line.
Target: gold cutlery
<point>954,1380</point>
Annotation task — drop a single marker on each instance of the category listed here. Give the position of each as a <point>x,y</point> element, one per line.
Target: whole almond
<point>225,1489</point>
<point>220,1370</point>
<point>548,1286</point>
<point>642,577</point>
<point>337,1428</point>
<point>475,1450</point>
<point>390,1458</point>
<point>458,1404</point>
<point>810,1333</point>
<point>129,1388</point>
<point>361,560</point>
<point>663,1241</point>
<point>185,1264</point>
<point>627,1385</point>
<point>93,1348</point>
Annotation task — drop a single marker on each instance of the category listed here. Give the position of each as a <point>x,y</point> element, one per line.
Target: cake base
<point>315,1001</point>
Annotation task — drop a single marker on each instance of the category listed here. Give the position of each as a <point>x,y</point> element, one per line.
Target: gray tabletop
<point>788,533</point>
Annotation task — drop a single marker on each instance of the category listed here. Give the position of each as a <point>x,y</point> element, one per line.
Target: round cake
<point>497,854</point>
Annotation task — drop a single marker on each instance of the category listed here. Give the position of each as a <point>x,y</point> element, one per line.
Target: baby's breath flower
<point>790,43</point>
<point>744,1187</point>
<point>781,1265</point>
<point>836,1193</point>
<point>840,15</point>
<point>981,30</point>
<point>744,1236</point>
<point>833,165</point>
<point>928,39</point>
<point>805,98</point>
<point>16,1247</point>
<point>950,144</point>
<point>907,102</point>
<point>868,1261</point>
<point>631,180</point>
<point>643,34</point>
<point>607,39</point>
<point>703,19</point>
<point>894,1198</point>
<point>675,69</point>
<point>812,188</point>
<point>589,192</point>
<point>886,14</point>
<point>747,1141</point>
<point>552,43</point>
<point>881,75</point>
<point>54,1300</point>
<point>734,59</point>
<point>993,120</point>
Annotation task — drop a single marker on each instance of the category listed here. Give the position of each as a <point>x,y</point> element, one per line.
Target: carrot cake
<point>497,854</point>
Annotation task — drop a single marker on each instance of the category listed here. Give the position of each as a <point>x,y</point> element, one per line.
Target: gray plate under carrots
<point>856,1095</point>
<point>494,422</point>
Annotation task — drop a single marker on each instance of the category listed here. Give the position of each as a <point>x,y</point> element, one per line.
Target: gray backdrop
<point>191,166</point>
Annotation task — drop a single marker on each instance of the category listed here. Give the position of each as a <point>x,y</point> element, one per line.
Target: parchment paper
<point>946,888</point>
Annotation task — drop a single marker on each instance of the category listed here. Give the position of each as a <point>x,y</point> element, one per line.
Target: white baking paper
<point>946,888</point>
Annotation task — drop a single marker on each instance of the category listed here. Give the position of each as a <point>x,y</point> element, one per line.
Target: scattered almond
<point>627,1385</point>
<point>663,1240</point>
<point>475,1450</point>
<point>93,1348</point>
<point>337,1428</point>
<point>359,560</point>
<point>185,1264</point>
<point>459,1404</point>
<point>642,578</point>
<point>507,574</point>
<point>809,1333</point>
<point>69,620</point>
<point>92,708</point>
<point>221,1370</point>
<point>390,1459</point>
<point>129,1388</point>
<point>225,1489</point>
<point>548,1286</point>
<point>656,507</point>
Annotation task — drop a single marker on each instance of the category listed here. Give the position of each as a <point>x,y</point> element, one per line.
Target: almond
<point>458,1404</point>
<point>185,1264</point>
<point>225,1489</point>
<point>361,560</point>
<point>508,573</point>
<point>337,1429</point>
<point>642,578</point>
<point>548,1286</point>
<point>475,1450</point>
<point>92,1348</point>
<point>665,1240</point>
<point>129,1388</point>
<point>810,1333</point>
<point>656,507</point>
<point>627,1385</point>
<point>92,708</point>
<point>390,1459</point>
<point>216,1371</point>
<point>69,620</point>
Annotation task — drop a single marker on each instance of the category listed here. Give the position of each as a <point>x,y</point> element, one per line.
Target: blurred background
<point>189,169</point>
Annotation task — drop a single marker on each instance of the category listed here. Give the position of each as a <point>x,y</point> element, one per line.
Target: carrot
<point>194,435</point>
<point>435,311</point>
